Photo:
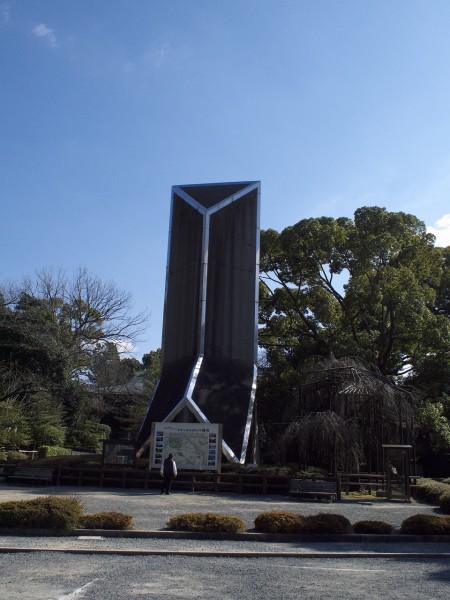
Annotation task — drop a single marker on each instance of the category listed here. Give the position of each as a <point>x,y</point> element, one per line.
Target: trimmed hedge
<point>372,527</point>
<point>444,502</point>
<point>426,525</point>
<point>15,455</point>
<point>107,520</point>
<point>49,512</point>
<point>206,522</point>
<point>430,490</point>
<point>47,451</point>
<point>279,522</point>
<point>326,523</point>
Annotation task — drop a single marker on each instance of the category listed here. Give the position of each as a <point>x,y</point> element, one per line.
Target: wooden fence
<point>195,481</point>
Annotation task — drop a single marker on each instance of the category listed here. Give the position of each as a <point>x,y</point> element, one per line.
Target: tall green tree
<point>374,288</point>
<point>364,288</point>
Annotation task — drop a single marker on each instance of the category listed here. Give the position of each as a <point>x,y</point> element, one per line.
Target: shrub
<point>372,527</point>
<point>14,456</point>
<point>426,525</point>
<point>444,501</point>
<point>327,523</point>
<point>429,490</point>
<point>279,522</point>
<point>206,522</point>
<point>46,451</point>
<point>49,512</point>
<point>446,480</point>
<point>3,456</point>
<point>107,520</point>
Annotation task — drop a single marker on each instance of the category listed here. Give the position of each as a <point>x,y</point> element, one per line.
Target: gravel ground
<point>49,576</point>
<point>53,575</point>
<point>214,546</point>
<point>151,511</point>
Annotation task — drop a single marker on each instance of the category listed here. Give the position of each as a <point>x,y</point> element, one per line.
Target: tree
<point>442,303</point>
<point>374,288</point>
<point>362,288</point>
<point>52,330</point>
<point>345,414</point>
<point>88,311</point>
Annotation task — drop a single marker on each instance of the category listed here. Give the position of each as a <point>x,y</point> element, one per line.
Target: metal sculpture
<point>211,312</point>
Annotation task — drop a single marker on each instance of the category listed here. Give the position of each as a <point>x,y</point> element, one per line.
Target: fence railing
<point>187,480</point>
<point>194,481</point>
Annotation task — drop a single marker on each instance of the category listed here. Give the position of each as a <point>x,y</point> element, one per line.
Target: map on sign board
<point>195,446</point>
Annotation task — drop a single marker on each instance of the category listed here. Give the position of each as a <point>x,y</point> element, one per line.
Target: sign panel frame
<point>195,446</point>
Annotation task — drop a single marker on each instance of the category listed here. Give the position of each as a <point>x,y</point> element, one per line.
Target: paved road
<point>53,576</point>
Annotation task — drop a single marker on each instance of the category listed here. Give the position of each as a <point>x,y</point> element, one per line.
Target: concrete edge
<point>230,554</point>
<point>246,536</point>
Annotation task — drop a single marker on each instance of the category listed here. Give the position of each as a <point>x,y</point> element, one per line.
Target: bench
<point>313,488</point>
<point>33,474</point>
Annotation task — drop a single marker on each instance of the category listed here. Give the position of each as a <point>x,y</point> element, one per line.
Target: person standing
<point>169,472</point>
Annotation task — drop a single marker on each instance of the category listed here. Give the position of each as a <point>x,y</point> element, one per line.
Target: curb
<point>232,537</point>
<point>230,554</point>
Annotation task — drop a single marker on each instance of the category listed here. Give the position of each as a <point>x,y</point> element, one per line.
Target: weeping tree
<point>345,414</point>
<point>324,439</point>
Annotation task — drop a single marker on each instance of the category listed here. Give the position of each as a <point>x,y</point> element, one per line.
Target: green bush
<point>206,522</point>
<point>3,456</point>
<point>47,451</point>
<point>15,456</point>
<point>285,470</point>
<point>279,522</point>
<point>49,512</point>
<point>429,490</point>
<point>372,527</point>
<point>107,520</point>
<point>88,435</point>
<point>327,523</point>
<point>444,502</point>
<point>426,525</point>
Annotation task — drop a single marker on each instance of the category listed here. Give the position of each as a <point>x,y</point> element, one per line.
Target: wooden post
<point>338,487</point>
<point>264,484</point>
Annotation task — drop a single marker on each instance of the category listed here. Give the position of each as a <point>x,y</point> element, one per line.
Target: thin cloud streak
<point>42,31</point>
<point>5,13</point>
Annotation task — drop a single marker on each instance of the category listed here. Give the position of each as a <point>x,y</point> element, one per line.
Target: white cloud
<point>124,347</point>
<point>5,13</point>
<point>441,229</point>
<point>158,53</point>
<point>42,31</point>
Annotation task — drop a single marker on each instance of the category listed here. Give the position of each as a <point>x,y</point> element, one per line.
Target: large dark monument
<point>211,312</point>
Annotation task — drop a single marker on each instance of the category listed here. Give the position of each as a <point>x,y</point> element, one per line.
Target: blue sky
<point>104,105</point>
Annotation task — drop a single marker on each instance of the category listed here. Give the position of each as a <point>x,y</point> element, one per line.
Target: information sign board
<point>195,446</point>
